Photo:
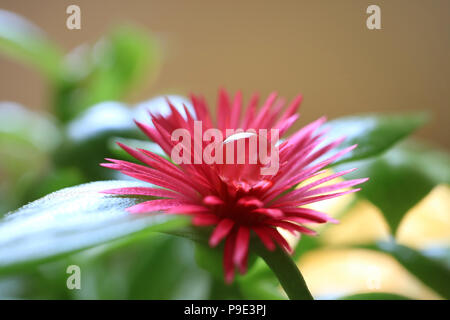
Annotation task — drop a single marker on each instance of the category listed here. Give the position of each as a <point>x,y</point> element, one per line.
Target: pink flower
<point>236,199</point>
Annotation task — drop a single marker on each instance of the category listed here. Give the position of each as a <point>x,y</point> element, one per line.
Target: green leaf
<point>279,262</point>
<point>92,136</point>
<point>26,138</point>
<point>373,133</point>
<point>22,40</point>
<point>89,138</point>
<point>209,259</point>
<point>400,178</point>
<point>106,71</point>
<point>375,296</point>
<point>31,129</point>
<point>132,54</point>
<point>432,272</point>
<point>157,266</point>
<point>53,180</point>
<point>73,219</point>
<point>169,273</point>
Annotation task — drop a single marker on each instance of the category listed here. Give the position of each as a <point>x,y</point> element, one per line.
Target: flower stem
<point>286,271</point>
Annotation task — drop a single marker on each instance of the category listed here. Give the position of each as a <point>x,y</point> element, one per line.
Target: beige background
<point>320,48</point>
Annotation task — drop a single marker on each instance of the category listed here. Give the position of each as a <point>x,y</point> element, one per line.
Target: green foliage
<point>93,135</point>
<point>152,266</point>
<point>210,259</point>
<point>29,129</point>
<point>20,39</point>
<point>258,283</point>
<point>88,138</point>
<point>52,180</point>
<point>156,266</point>
<point>400,178</point>
<point>373,133</point>
<point>70,220</point>
<point>106,71</point>
<point>55,154</point>
<point>26,138</point>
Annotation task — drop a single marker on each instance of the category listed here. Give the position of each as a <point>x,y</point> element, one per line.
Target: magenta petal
<point>220,232</point>
<point>241,250</point>
<point>143,191</point>
<point>154,205</point>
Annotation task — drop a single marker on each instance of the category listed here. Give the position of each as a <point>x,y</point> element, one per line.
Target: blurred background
<point>319,48</point>
<point>68,95</point>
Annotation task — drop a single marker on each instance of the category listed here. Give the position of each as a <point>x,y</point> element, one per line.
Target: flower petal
<point>143,191</point>
<point>228,265</point>
<point>154,205</point>
<point>221,231</point>
<point>265,237</point>
<point>241,249</point>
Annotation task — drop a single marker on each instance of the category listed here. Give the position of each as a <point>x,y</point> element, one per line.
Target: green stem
<point>286,271</point>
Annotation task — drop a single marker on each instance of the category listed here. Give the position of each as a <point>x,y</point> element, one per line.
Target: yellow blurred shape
<point>364,223</point>
<point>428,223</point>
<point>335,272</point>
<point>331,273</point>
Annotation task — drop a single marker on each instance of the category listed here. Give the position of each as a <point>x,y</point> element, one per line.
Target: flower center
<point>246,154</point>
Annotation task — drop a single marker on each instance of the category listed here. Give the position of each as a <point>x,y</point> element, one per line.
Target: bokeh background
<point>319,48</point>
